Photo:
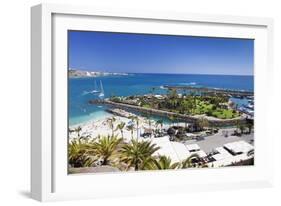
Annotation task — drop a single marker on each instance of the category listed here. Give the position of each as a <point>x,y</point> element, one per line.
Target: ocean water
<point>79,91</point>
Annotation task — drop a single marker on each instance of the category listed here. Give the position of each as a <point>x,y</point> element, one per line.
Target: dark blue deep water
<point>136,84</point>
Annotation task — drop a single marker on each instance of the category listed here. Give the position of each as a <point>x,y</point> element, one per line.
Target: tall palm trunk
<point>105,161</point>
<point>137,129</point>
<point>137,165</point>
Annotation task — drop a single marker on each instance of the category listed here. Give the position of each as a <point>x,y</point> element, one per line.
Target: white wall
<point>14,103</point>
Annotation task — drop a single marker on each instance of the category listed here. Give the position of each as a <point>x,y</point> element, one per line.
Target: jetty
<point>183,117</point>
<point>120,113</point>
<point>208,90</point>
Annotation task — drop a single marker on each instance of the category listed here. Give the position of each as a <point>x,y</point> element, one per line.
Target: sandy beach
<point>94,128</point>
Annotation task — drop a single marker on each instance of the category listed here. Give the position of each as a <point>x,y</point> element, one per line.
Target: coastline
<point>94,128</point>
<point>74,73</point>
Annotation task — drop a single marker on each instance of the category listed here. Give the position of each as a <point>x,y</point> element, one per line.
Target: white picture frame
<point>49,179</point>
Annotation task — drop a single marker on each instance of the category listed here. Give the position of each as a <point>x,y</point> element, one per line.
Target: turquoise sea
<point>80,89</point>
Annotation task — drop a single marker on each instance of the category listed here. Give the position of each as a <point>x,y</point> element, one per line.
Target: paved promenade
<point>217,140</point>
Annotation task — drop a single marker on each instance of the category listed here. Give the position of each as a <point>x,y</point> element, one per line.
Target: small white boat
<point>95,88</point>
<point>101,90</point>
<point>94,91</point>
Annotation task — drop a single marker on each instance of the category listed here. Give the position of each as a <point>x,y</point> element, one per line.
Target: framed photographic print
<point>134,102</point>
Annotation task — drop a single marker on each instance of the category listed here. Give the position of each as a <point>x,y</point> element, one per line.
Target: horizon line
<point>187,73</point>
<point>163,73</point>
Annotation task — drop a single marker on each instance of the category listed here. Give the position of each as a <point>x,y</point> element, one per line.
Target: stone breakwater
<point>120,112</point>
<point>187,118</point>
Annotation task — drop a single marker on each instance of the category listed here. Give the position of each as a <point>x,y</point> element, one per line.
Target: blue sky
<point>145,53</point>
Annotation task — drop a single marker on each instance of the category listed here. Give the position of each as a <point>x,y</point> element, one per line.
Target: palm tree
<point>189,162</point>
<point>203,123</point>
<point>237,123</point>
<point>160,122</point>
<point>250,127</point>
<point>78,130</point>
<point>184,106</point>
<point>77,153</point>
<point>152,100</point>
<point>105,148</point>
<point>137,121</point>
<point>149,123</point>
<point>137,154</point>
<point>121,127</point>
<point>174,102</point>
<point>162,163</point>
<point>110,122</point>
<point>172,94</point>
<point>131,128</point>
<point>192,102</point>
<point>242,128</point>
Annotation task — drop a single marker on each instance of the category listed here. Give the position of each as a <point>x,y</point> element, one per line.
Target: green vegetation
<point>137,154</point>
<point>110,122</point>
<point>202,123</point>
<point>113,151</point>
<point>225,114</point>
<point>105,148</point>
<point>243,128</point>
<point>120,127</point>
<point>77,153</point>
<point>131,128</point>
<point>162,163</point>
<point>192,161</point>
<point>212,105</point>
